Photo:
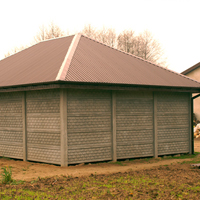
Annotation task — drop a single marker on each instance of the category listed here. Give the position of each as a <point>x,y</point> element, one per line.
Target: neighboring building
<point>72,99</point>
<point>194,73</point>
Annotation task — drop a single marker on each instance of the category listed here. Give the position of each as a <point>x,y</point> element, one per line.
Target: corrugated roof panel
<point>89,61</point>
<point>96,62</point>
<point>39,63</point>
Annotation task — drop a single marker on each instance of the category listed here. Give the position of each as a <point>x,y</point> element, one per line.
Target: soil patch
<point>174,181</point>
<point>29,170</point>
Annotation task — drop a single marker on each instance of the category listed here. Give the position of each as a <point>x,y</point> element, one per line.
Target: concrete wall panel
<point>11,133</point>
<point>134,124</point>
<point>89,126</point>
<point>173,121</point>
<point>43,126</point>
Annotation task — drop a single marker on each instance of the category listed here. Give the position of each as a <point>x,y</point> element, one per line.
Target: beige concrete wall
<point>195,74</point>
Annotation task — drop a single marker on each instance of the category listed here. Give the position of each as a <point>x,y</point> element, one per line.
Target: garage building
<point>73,100</point>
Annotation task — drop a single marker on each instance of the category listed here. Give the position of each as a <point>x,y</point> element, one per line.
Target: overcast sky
<point>175,23</point>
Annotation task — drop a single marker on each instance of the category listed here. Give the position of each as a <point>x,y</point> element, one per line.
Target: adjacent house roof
<point>80,59</point>
<point>191,69</point>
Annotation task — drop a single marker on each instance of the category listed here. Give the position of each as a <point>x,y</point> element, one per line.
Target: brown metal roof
<point>81,59</point>
<point>39,63</point>
<point>96,62</point>
<point>191,69</point>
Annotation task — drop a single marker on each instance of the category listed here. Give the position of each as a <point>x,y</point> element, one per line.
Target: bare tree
<point>126,41</point>
<point>107,36</point>
<point>148,48</point>
<point>104,35</point>
<point>49,32</point>
<point>111,33</point>
<point>89,31</point>
<point>143,45</point>
<point>41,34</point>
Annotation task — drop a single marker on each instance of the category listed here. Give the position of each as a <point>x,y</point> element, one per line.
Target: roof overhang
<point>98,86</point>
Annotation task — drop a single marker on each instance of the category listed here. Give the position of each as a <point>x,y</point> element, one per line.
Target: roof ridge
<point>67,60</point>
<point>178,74</point>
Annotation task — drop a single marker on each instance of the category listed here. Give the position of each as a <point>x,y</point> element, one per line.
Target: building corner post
<point>155,129</point>
<point>63,127</point>
<point>24,126</point>
<point>191,133</point>
<point>114,137</point>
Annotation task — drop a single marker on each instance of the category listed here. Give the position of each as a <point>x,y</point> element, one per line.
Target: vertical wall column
<point>155,130</point>
<point>191,136</point>
<point>24,126</point>
<point>63,127</point>
<point>114,140</point>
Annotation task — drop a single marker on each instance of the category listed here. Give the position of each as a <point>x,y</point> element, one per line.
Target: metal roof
<point>38,63</point>
<point>81,59</point>
<point>191,69</point>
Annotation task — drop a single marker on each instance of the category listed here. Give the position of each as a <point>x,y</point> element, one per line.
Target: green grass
<point>118,163</point>
<point>184,156</point>
<point>2,157</point>
<point>6,175</point>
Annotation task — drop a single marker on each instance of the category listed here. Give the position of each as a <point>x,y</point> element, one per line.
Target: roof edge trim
<point>191,69</point>
<point>66,63</point>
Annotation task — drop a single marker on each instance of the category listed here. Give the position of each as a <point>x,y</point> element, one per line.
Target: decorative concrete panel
<point>173,123</point>
<point>134,124</point>
<point>7,96</point>
<point>137,135</point>
<point>173,147</point>
<point>89,154</point>
<point>173,133</point>
<point>11,136</point>
<point>11,125</point>
<point>11,151</point>
<point>43,126</point>
<point>43,122</point>
<point>11,121</point>
<point>87,138</point>
<point>136,150</point>
<point>44,155</point>
<point>43,94</point>
<point>11,107</point>
<point>98,122</point>
<point>43,138</point>
<point>89,125</point>
<point>47,106</point>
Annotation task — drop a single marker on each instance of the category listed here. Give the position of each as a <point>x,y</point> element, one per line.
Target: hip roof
<point>78,58</point>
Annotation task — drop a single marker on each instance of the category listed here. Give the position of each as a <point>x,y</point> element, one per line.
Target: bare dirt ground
<point>31,170</point>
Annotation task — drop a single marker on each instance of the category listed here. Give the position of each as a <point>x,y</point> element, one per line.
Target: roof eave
<point>95,85</point>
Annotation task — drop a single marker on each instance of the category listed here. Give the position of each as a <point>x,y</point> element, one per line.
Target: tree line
<point>143,45</point>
